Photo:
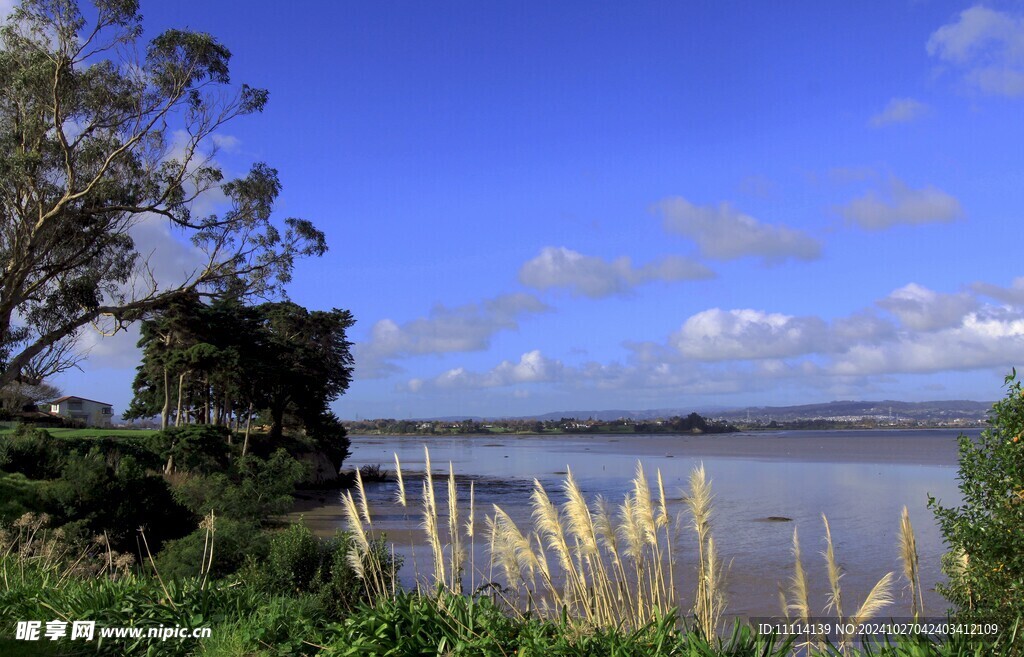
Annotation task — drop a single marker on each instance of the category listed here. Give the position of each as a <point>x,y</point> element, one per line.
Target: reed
<point>877,599</point>
<point>598,566</point>
<point>400,493</point>
<point>911,567</point>
<point>454,533</point>
<point>835,600</point>
<point>430,522</point>
<point>710,601</point>
<point>799,598</point>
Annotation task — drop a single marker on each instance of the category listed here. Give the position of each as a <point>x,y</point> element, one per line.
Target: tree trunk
<point>166,410</point>
<point>181,384</point>
<point>248,422</point>
<point>206,400</point>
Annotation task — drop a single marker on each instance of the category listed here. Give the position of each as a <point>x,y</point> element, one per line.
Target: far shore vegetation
<point>690,425</point>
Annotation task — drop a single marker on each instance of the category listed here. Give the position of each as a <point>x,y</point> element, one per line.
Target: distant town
<point>828,416</point>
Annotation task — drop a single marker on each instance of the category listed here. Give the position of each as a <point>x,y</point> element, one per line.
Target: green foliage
<point>301,564</point>
<point>253,488</point>
<point>985,534</point>
<point>18,496</point>
<point>412,624</point>
<point>32,452</point>
<point>114,494</point>
<point>194,448</point>
<point>234,542</point>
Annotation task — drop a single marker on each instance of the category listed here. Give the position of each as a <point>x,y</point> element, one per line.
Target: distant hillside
<point>933,411</point>
<point>930,411</point>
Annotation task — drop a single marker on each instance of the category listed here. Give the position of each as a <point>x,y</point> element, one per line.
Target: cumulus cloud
<point>1013,295</point>
<point>899,204</point>
<point>532,367</point>
<point>921,309</point>
<point>987,46</point>
<point>913,330</point>
<point>716,334</point>
<point>987,337</point>
<point>589,276</point>
<point>723,232</point>
<point>469,327</point>
<point>899,110</point>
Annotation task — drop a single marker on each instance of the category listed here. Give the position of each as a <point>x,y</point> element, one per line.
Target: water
<point>859,479</point>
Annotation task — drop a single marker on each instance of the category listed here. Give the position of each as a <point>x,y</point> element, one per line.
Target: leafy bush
<point>32,452</point>
<point>253,488</point>
<point>106,493</point>
<point>985,534</point>
<point>18,496</point>
<point>193,448</point>
<point>234,541</point>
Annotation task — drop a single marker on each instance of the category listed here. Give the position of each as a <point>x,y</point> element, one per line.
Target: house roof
<point>69,397</point>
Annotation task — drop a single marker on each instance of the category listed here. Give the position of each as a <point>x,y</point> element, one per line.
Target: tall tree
<point>95,139</point>
<point>311,362</point>
<point>227,360</point>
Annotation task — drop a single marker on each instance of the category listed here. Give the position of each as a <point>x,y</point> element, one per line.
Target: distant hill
<point>932,411</point>
<point>924,411</point>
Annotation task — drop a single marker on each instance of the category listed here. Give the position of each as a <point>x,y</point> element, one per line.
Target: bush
<point>32,452</point>
<point>253,488</point>
<point>18,496</point>
<point>233,542</point>
<point>985,565</point>
<point>113,494</point>
<point>193,448</point>
<point>300,564</point>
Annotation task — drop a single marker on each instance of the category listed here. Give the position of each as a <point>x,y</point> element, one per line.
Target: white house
<point>93,413</point>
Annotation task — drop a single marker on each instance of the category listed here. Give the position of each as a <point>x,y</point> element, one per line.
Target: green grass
<point>61,432</point>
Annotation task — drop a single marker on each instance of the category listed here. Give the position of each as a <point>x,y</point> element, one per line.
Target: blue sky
<point>549,206</point>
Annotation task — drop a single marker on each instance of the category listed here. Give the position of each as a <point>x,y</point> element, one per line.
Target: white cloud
<point>469,327</point>
<point>533,367</point>
<point>717,335</point>
<point>594,277</point>
<point>913,330</point>
<point>1013,295</point>
<point>921,309</point>
<point>899,110</point>
<point>984,338</point>
<point>987,45</point>
<point>725,233</point>
<point>899,204</point>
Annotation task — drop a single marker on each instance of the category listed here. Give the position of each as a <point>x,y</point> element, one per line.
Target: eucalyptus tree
<point>98,136</point>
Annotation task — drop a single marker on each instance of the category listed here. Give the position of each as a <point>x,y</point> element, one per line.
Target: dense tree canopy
<point>220,363</point>
<point>94,140</point>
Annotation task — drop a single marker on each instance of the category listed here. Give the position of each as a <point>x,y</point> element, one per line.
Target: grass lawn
<point>93,432</point>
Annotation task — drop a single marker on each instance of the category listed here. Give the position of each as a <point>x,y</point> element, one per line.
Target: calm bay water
<point>859,479</point>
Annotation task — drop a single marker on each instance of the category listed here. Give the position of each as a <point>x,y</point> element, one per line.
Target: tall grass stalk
<point>911,568</point>
<point>710,601</point>
<point>878,598</point>
<point>400,493</point>
<point>430,522</point>
<point>454,533</point>
<point>835,599</point>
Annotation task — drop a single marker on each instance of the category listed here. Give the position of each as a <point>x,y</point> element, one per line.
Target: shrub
<point>985,534</point>
<point>105,493</point>
<point>32,452</point>
<point>252,489</point>
<point>233,542</point>
<point>193,448</point>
